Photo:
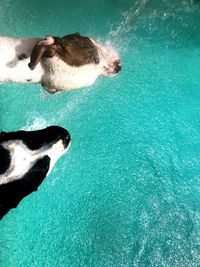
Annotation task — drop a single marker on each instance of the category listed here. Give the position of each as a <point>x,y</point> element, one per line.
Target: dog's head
<point>109,60</point>
<point>81,50</point>
<point>26,158</point>
<point>77,51</point>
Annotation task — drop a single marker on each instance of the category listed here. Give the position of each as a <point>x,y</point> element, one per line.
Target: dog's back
<point>14,57</point>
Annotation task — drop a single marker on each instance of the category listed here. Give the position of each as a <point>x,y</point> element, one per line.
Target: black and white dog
<point>66,63</point>
<point>26,158</point>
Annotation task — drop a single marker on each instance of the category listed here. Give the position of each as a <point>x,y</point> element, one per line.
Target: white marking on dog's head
<point>109,59</point>
<point>22,158</point>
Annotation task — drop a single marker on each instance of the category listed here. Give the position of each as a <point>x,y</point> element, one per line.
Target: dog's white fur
<point>52,73</point>
<point>23,158</point>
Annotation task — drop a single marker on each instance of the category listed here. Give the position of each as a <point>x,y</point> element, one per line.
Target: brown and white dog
<point>66,63</point>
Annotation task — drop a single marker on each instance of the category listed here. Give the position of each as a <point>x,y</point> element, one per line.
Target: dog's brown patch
<point>74,49</point>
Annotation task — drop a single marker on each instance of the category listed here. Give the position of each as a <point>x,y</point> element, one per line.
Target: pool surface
<point>127,192</point>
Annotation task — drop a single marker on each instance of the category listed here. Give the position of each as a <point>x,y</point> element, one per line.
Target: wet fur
<point>26,158</point>
<point>73,49</point>
<point>54,74</point>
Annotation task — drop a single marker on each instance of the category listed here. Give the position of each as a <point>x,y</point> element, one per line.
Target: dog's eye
<point>96,60</point>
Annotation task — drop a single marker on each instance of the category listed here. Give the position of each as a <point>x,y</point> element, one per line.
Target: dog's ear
<point>42,49</point>
<point>36,55</point>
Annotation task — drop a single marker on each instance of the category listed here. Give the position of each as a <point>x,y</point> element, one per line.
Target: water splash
<point>150,16</point>
<point>120,34</point>
<point>35,123</point>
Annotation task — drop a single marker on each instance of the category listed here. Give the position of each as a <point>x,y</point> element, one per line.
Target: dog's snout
<point>118,66</point>
<point>66,141</point>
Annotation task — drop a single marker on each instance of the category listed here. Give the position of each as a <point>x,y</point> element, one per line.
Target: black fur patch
<point>37,139</point>
<point>12,193</point>
<point>4,160</point>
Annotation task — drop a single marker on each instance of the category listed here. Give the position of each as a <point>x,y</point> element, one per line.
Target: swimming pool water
<point>127,191</point>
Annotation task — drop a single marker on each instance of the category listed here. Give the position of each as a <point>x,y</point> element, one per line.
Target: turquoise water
<point>127,192</point>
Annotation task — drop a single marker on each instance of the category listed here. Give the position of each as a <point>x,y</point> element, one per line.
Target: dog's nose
<point>66,140</point>
<point>118,66</point>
